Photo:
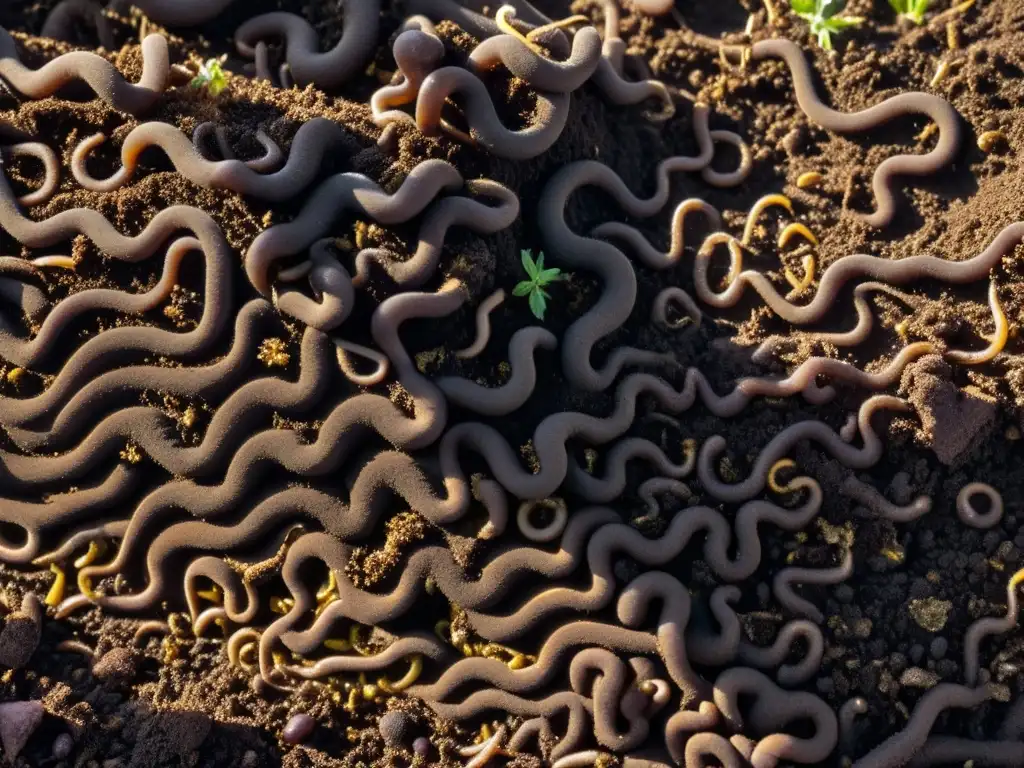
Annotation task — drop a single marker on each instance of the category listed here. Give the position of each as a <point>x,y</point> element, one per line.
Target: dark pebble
<point>938,647</point>
<point>421,746</point>
<point>62,746</point>
<point>394,728</point>
<point>298,729</point>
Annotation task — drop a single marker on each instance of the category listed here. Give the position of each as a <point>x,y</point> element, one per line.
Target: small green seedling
<point>824,19</point>
<point>534,287</point>
<point>911,9</point>
<point>211,76</point>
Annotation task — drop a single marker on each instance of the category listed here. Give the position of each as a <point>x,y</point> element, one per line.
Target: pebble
<point>18,721</point>
<point>116,665</point>
<point>421,746</point>
<point>844,593</point>
<point>62,746</point>
<point>298,729</point>
<point>916,653</point>
<point>938,647</point>
<point>394,728</point>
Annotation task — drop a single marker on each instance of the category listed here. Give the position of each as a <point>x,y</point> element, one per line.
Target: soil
<point>179,702</point>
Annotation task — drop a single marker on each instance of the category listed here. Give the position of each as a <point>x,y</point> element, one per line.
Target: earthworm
<point>682,725</point>
<point>330,281</point>
<point>261,63</point>
<point>542,73</point>
<point>701,745</point>
<point>899,748</point>
<point>784,579</point>
<point>490,748</point>
<point>583,759</point>
<point>848,713</point>
<point>446,213</point>
<point>773,707</point>
<point>880,506</point>
<point>602,490</point>
<point>608,687</point>
<point>999,335</point>
<point>271,160</point>
<point>483,325</point>
<point>550,531</point>
<point>76,646</point>
<point>485,127</point>
<point>345,348</point>
<point>728,179</point>
<point>100,75</point>
<point>346,192</point>
<point>944,750</point>
<point>988,625</point>
<point>417,53</point>
<point>237,641</point>
<point>476,24</point>
<point>179,13</point>
<point>656,485</point>
<point>717,650</point>
<point>305,159</point>
<point>852,457</point>
<point>788,675</point>
<point>82,537</point>
<point>671,295</point>
<point>217,570</point>
<point>51,169</point>
<point>307,65</point>
<point>62,19</point>
<point>153,627</point>
<point>969,515</point>
<point>504,399</point>
<point>882,183</point>
<point>644,250</point>
<point>654,7</point>
<point>424,644</point>
<point>611,265</point>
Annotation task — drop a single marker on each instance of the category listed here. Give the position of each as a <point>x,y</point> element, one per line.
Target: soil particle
<point>19,639</point>
<point>930,614</point>
<point>117,666</point>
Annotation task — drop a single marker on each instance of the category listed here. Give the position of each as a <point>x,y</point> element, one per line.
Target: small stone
<point>18,721</point>
<point>421,746</point>
<point>844,593</point>
<point>394,728</point>
<point>938,647</point>
<point>930,613</point>
<point>62,746</point>
<point>118,665</point>
<point>916,653</point>
<point>915,677</point>
<point>298,729</point>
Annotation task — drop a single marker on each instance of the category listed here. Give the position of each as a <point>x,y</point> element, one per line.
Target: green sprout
<point>534,287</point>
<point>824,19</point>
<point>911,9</point>
<point>211,76</point>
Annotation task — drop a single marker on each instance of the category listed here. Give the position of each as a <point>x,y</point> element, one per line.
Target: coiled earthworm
<point>101,76</point>
<point>788,675</point>
<point>784,579</point>
<point>483,325</point>
<point>596,489</point>
<point>446,213</point>
<point>272,158</point>
<point>969,515</point>
<point>854,458</point>
<point>882,182</point>
<point>345,348</point>
<point>877,504</point>
<point>504,399</point>
<point>988,625</point>
<point>669,296</point>
<point>217,570</point>
<point>417,53</point>
<point>329,280</point>
<point>542,73</point>
<point>328,70</point>
<point>551,530</point>
<point>899,748</point>
<point>51,169</point>
<point>62,19</point>
<point>305,158</point>
<point>346,192</point>
<point>82,537</point>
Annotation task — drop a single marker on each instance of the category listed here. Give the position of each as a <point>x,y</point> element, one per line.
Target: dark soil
<point>181,703</point>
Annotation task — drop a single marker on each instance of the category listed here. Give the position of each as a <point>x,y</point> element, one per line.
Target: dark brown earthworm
<point>792,602</point>
<point>307,65</point>
<point>668,296</point>
<point>788,675</point>
<point>601,490</point>
<point>644,250</point>
<point>989,625</point>
<point>948,750</point>
<point>314,139</point>
<point>877,504</point>
<point>62,19</point>
<point>329,280</point>
<point>483,325</point>
<point>608,687</point>
<point>51,169</point>
<point>178,13</point>
<point>477,24</point>
<point>701,745</point>
<point>273,158</point>
<point>449,212</point>
<point>417,53</point>
<point>346,192</point>
<point>882,182</point>
<point>969,515</point>
<point>485,127</point>
<point>108,84</point>
<point>899,748</point>
<point>782,443</point>
<point>502,400</point>
<point>848,713</point>
<point>542,73</point>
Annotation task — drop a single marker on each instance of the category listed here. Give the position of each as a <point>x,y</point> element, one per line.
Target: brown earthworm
<point>988,625</point>
<point>345,348</point>
<point>899,748</point>
<point>305,158</point>
<point>504,399</point>
<point>271,160</point>
<point>552,530</point>
<point>596,489</point>
<point>969,515</point>
<point>701,745</point>
<point>424,644</point>
<point>848,713</point>
<point>153,627</point>
<point>945,750</point>
<point>654,7</point>
<point>51,169</point>
<point>658,485</point>
<point>483,325</point>
<point>784,579</point>
<point>643,249</point>
<point>788,675</point>
<point>476,24</point>
<point>877,504</point>
<point>542,73</point>
<point>882,183</point>
<point>306,64</point>
<point>101,76</point>
<point>329,280</point>
<point>417,53</point>
<point>346,192</point>
<point>179,13</point>
<point>217,570</point>
<point>582,759</point>
<point>999,335</point>
<point>670,295</point>
<point>109,530</point>
<point>62,19</point>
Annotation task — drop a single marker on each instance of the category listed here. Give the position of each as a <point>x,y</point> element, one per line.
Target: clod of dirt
<point>394,728</point>
<point>20,635</point>
<point>930,613</point>
<point>169,737</point>
<point>915,677</point>
<point>953,420</point>
<point>18,721</point>
<point>118,665</point>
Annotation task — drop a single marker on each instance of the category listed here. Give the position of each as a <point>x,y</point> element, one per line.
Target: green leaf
<point>522,288</point>
<point>538,304</point>
<point>825,39</point>
<point>540,261</point>
<point>549,276</point>
<point>839,23</point>
<point>802,7</point>
<point>531,269</point>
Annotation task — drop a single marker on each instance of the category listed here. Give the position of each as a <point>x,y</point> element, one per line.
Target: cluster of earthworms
<point>546,596</point>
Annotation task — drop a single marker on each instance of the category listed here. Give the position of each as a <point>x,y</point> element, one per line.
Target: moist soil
<point>895,629</point>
